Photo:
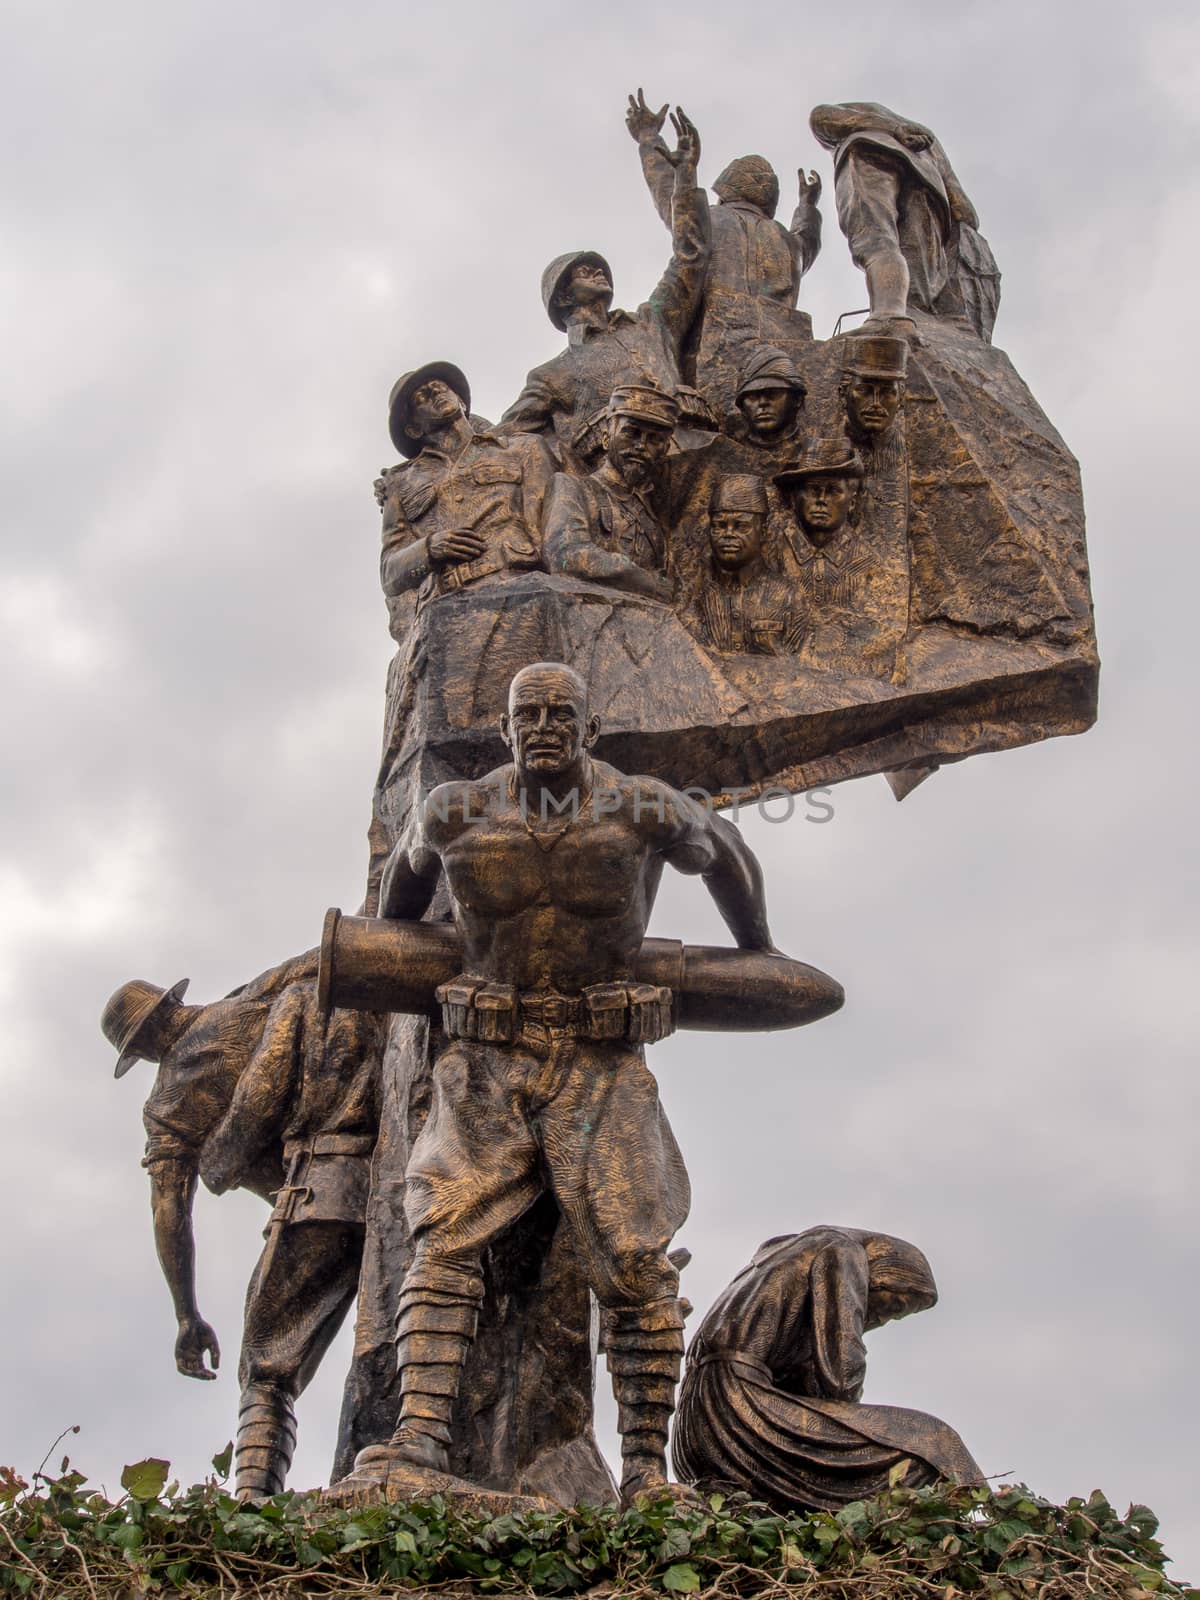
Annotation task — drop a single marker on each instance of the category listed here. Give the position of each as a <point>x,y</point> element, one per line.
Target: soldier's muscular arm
<point>698,841</point>
<point>410,875</point>
<point>172,1190</point>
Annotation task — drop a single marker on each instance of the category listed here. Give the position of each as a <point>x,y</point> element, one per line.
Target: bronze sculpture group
<point>700,545</point>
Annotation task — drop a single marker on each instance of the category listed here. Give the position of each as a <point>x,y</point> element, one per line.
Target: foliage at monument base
<point>59,1539</point>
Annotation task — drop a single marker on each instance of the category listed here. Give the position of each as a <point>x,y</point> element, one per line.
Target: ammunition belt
<point>497,1013</point>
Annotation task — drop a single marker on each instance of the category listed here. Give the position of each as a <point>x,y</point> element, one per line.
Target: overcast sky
<point>227,227</point>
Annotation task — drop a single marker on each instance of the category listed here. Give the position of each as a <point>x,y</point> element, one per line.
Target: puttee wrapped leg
<point>435,1327</point>
<point>266,1441</point>
<point>645,1348</point>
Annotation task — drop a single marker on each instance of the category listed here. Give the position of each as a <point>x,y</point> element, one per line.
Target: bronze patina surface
<point>701,555</point>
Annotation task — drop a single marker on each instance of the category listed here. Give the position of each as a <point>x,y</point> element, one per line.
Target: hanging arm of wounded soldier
<point>172,1190</point>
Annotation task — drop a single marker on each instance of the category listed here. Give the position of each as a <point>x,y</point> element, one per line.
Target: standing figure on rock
<point>553,864</point>
<point>771,1402</point>
<point>566,397</point>
<point>753,277</point>
<point>907,219</point>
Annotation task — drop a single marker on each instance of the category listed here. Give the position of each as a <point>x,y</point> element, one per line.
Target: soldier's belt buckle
<point>555,1011</point>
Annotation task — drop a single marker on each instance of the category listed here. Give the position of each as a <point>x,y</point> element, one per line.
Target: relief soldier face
<point>824,506</point>
<point>769,412</point>
<point>638,450</point>
<point>434,406</point>
<point>588,285</point>
<point>872,403</point>
<point>736,538</point>
<point>547,727</point>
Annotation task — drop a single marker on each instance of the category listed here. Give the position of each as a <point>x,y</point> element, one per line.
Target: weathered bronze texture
<point>552,864</point>
<point>753,274</point>
<point>264,1091</point>
<point>753,559</point>
<point>907,219</point>
<point>771,1401</point>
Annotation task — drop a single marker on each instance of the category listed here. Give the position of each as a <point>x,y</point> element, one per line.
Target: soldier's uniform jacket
<point>567,394</point>
<point>836,575</point>
<point>752,254</point>
<point>315,1087</point>
<point>495,487</point>
<point>197,1077</point>
<point>752,616</point>
<point>602,510</point>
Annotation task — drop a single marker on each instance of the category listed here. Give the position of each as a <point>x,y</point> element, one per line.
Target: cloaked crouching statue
<point>770,1402</point>
<point>552,864</point>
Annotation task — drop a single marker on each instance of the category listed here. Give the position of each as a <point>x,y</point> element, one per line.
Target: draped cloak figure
<point>770,1398</point>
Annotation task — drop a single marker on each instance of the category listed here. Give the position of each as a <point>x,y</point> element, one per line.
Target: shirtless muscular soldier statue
<point>553,864</point>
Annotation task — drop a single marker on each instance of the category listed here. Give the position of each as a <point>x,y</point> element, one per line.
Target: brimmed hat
<point>830,458</point>
<point>770,368</point>
<point>555,276</point>
<point>127,1013</point>
<point>645,401</point>
<point>739,492</point>
<point>875,356</point>
<point>401,397</point>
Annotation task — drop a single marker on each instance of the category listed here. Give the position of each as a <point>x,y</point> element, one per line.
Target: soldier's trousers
<point>303,1286</point>
<point>884,211</point>
<point>579,1117</point>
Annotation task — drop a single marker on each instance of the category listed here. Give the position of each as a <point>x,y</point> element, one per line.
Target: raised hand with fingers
<point>810,187</point>
<point>687,148</point>
<point>642,121</point>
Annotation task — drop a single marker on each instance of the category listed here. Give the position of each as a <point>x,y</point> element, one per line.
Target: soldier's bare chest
<point>579,864</point>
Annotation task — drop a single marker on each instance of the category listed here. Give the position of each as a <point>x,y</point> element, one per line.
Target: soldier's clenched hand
<point>195,1338</point>
<point>642,122</point>
<point>455,544</point>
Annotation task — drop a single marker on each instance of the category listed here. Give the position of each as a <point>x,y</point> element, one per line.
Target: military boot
<point>645,1348</point>
<point>266,1441</point>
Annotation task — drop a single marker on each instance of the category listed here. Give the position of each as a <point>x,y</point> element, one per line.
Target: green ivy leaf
<point>145,1480</point>
<point>681,1578</point>
<point>222,1461</point>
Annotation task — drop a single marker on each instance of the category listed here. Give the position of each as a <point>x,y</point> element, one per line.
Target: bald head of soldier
<point>547,725</point>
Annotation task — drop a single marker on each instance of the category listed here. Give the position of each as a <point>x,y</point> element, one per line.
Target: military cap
<point>645,401</point>
<point>770,368</point>
<point>401,397</point>
<point>128,1012</point>
<point>555,276</point>
<point>739,492</point>
<point>831,458</point>
<point>874,355</point>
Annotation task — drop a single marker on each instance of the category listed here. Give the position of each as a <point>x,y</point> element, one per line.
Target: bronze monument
<point>703,554</point>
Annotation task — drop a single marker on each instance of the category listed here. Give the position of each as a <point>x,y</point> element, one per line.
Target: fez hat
<point>127,1013</point>
<point>874,355</point>
<point>645,401</point>
<point>754,174</point>
<point>828,459</point>
<point>401,397</point>
<point>739,492</point>
<point>769,368</point>
<point>555,276</point>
